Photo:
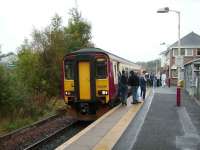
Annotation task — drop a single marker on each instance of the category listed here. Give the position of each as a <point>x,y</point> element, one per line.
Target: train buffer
<point>155,124</point>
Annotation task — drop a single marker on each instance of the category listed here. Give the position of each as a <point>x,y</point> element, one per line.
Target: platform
<point>165,126</point>
<point>104,133</point>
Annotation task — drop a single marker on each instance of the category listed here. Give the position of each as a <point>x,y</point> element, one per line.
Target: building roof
<point>164,52</point>
<point>191,40</point>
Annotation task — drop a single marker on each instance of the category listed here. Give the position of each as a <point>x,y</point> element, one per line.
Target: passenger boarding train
<point>90,80</point>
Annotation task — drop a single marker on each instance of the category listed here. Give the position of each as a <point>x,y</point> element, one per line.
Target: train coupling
<point>84,108</point>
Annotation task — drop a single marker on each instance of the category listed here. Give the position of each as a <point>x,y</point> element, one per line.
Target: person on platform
<point>119,85</point>
<point>134,83</point>
<point>143,85</point>
<point>123,88</point>
<point>163,79</point>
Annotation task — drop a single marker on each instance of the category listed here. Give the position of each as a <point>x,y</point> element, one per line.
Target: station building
<point>190,50</point>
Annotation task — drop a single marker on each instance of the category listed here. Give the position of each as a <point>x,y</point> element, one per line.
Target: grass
<point>7,124</point>
<point>18,123</point>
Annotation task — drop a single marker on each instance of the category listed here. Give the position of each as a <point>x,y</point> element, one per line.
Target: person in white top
<point>163,78</point>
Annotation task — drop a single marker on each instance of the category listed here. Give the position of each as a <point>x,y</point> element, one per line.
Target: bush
<point>5,92</point>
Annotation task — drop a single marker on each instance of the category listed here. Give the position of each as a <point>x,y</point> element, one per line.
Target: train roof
<point>113,56</point>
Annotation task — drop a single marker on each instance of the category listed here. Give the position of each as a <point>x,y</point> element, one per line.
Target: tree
<point>52,53</point>
<point>151,66</point>
<point>5,94</point>
<point>78,32</point>
<point>56,41</point>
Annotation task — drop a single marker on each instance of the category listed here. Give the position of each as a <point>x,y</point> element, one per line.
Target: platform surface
<point>104,133</point>
<point>166,126</point>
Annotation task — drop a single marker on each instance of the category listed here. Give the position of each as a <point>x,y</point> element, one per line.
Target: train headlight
<point>103,92</point>
<point>68,93</point>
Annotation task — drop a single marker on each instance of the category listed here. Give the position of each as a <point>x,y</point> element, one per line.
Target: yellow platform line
<point>84,131</point>
<point>114,134</point>
<point>111,138</point>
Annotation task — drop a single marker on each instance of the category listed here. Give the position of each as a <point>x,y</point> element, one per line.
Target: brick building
<point>190,50</point>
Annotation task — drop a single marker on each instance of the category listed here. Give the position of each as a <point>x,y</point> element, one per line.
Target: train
<point>90,81</point>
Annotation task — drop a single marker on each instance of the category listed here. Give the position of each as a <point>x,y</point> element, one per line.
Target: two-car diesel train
<point>90,80</point>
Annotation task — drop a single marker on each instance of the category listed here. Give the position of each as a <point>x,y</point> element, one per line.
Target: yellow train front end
<point>86,85</point>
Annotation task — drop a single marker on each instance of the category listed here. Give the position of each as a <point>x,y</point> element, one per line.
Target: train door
<point>84,80</point>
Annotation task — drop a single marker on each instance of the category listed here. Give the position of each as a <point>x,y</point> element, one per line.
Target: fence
<point>192,78</point>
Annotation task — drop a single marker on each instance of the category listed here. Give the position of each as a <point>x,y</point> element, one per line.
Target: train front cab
<point>86,83</point>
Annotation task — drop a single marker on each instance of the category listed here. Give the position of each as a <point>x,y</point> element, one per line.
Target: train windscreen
<point>69,70</point>
<point>101,68</point>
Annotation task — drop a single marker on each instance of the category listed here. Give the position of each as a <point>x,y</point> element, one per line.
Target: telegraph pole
<point>76,4</point>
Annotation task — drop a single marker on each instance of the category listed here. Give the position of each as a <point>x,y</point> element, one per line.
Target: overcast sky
<point>128,28</point>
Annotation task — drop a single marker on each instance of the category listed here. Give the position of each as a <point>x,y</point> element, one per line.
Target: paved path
<point>160,125</point>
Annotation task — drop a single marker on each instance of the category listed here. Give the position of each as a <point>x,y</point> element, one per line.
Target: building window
<point>198,51</point>
<point>175,51</point>
<point>189,52</point>
<point>182,51</point>
<point>174,73</point>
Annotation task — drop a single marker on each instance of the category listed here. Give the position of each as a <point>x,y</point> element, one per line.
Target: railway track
<point>23,137</point>
<point>23,129</point>
<point>58,137</point>
<point>49,137</point>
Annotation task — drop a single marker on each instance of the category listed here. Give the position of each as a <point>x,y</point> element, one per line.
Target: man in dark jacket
<point>123,88</point>
<point>134,83</point>
<point>143,85</point>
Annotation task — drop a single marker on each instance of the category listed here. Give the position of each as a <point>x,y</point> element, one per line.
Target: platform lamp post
<point>179,59</point>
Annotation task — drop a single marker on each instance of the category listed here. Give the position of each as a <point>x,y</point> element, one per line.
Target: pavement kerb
<point>111,138</point>
<point>77,136</point>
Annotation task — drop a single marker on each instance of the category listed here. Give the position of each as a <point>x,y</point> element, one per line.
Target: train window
<point>101,68</point>
<point>69,70</point>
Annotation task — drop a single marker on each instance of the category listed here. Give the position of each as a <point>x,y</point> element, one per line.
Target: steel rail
<point>49,137</point>
<point>23,129</point>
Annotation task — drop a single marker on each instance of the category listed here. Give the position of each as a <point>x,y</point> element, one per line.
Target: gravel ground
<point>63,136</point>
<point>31,135</point>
